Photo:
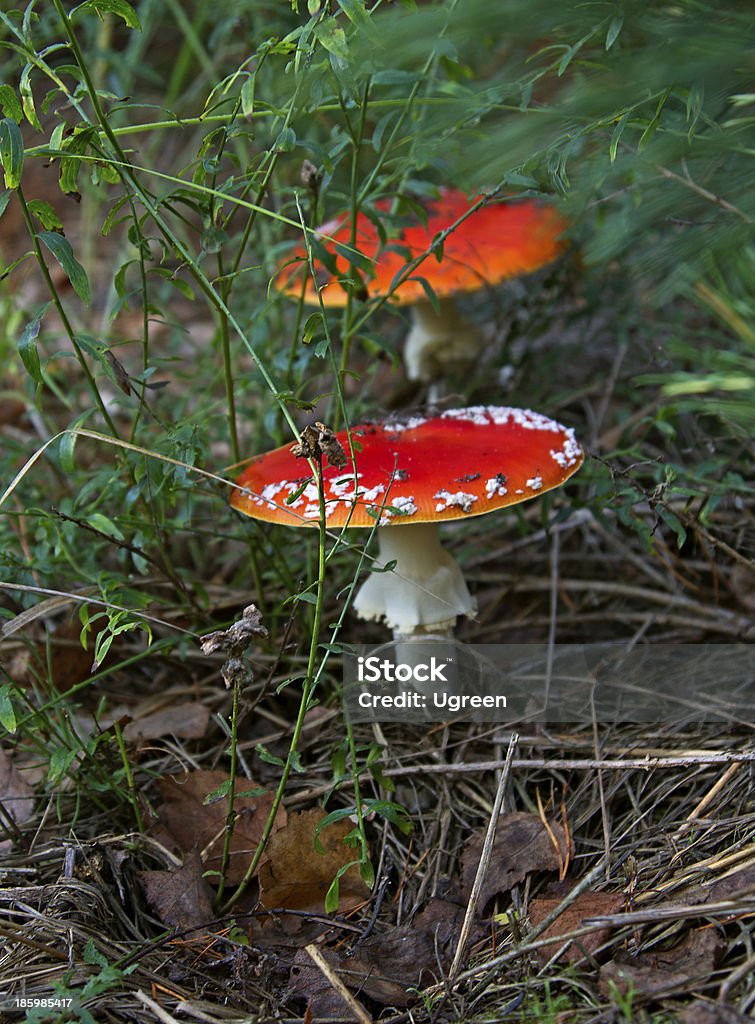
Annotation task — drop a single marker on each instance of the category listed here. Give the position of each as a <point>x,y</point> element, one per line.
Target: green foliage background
<point>167,141</point>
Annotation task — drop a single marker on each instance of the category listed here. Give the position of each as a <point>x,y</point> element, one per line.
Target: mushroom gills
<point>424,594</point>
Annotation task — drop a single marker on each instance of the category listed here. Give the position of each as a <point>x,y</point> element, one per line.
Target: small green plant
<point>71,1000</point>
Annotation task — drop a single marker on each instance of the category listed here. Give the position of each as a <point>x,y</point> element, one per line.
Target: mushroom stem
<point>439,341</point>
<point>424,593</point>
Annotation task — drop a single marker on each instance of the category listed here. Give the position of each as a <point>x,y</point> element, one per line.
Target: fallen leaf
<point>16,797</point>
<point>69,663</point>
<point>441,921</point>
<point>588,904</point>
<point>386,967</point>
<point>730,887</point>
<point>701,1012</point>
<point>307,983</point>
<point>664,973</point>
<point>181,899</point>
<point>195,824</point>
<point>184,721</point>
<point>522,845</point>
<point>296,876</point>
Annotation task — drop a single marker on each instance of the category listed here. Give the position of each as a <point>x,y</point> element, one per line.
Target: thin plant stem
<point>132,794</point>
<point>231,817</point>
<point>230,396</point>
<point>347,330</point>
<point>308,687</point>
<point>68,327</point>
<point>363,859</point>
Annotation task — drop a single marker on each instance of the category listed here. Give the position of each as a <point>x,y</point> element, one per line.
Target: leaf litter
<point>193,823</point>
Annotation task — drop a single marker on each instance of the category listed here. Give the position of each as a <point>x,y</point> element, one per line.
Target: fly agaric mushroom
<point>407,476</point>
<point>497,241</point>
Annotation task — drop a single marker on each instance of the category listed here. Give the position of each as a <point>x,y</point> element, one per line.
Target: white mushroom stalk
<point>439,342</point>
<point>425,592</point>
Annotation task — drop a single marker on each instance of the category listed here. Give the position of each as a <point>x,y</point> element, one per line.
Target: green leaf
<point>299,491</point>
<point>264,755</point>
<point>613,31</point>
<point>11,152</point>
<point>110,221</point>
<point>392,563</point>
<point>382,780</point>
<point>78,143</point>
<point>312,325</point>
<point>27,348</point>
<point>332,896</point>
<point>675,524</point>
<point>27,98</point>
<point>105,525</point>
<point>213,239</point>
<point>92,955</point>
<point>10,103</point>
<point>285,141</point>
<point>330,35</point>
<point>247,96</point>
<point>45,214</point>
<point>647,135</point>
<point>321,348</point>
<point>61,249</point>
<point>68,443</point>
<point>380,129</point>
<point>218,794</point>
<point>4,200</point>
<point>354,11</point>
<point>119,8</point>
<point>60,761</point>
<point>7,711</point>
<point>616,136</point>
<point>566,60</point>
<point>367,871</point>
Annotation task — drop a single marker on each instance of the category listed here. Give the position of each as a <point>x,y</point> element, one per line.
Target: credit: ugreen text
<point>438,699</point>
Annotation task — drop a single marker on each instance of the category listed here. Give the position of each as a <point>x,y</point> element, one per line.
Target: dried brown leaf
<point>586,905</point>
<point>184,721</point>
<point>522,845</point>
<point>730,887</point>
<point>656,974</point>
<point>194,824</point>
<point>385,967</point>
<point>16,798</point>
<point>441,920</point>
<point>295,876</point>
<point>181,899</point>
<point>70,663</point>
<point>701,1012</point>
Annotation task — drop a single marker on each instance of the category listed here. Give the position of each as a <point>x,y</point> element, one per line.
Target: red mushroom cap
<point>462,463</point>
<point>498,241</point>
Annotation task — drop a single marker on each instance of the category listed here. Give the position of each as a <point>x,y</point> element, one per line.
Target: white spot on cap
<point>404,506</point>
<point>410,423</point>
<point>495,487</point>
<point>460,500</point>
<point>535,482</point>
<point>570,452</point>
